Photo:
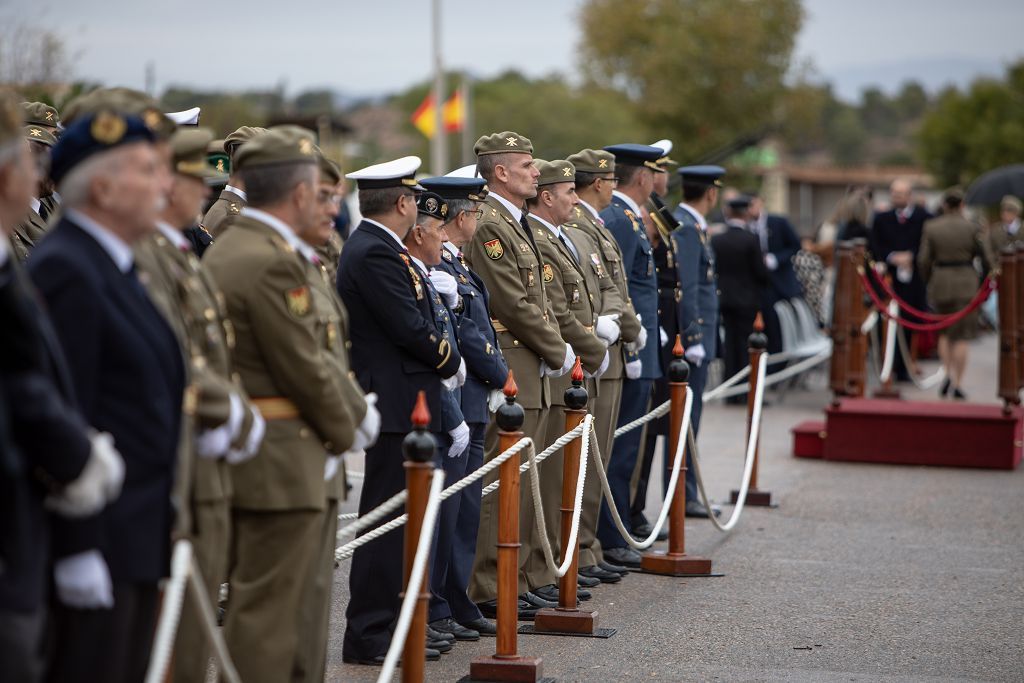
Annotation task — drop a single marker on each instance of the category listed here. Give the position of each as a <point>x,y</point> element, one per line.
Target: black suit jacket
<point>784,243</point>
<point>742,275</point>
<point>889,235</point>
<point>128,374</point>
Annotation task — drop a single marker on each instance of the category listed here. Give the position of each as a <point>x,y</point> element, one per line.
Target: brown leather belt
<point>276,408</point>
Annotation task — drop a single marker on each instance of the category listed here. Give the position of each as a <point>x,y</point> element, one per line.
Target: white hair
<point>76,187</point>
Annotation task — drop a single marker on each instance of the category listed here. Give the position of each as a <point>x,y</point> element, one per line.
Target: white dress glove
<point>252,442</point>
<point>603,367</point>
<point>570,360</point>
<point>663,335</point>
<point>460,374</point>
<point>641,339</point>
<point>369,428</point>
<point>215,443</point>
<point>331,466</point>
<point>495,399</point>
<point>446,285</point>
<point>634,368</point>
<point>607,328</point>
<point>83,581</point>
<point>770,262</point>
<point>460,440</point>
<point>458,379</point>
<point>696,354</point>
<point>98,484</point>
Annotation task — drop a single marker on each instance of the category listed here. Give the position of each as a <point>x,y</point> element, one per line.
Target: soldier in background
<point>1007,229</point>
<point>232,198</point>
<point>32,226</point>
<point>328,242</point>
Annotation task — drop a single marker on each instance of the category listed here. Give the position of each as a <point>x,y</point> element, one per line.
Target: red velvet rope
<point>946,321</point>
<point>891,293</point>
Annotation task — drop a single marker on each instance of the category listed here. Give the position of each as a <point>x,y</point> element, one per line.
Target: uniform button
<point>210,314</point>
<point>348,345</point>
<point>718,292</point>
<point>515,342</point>
<point>328,446</point>
<point>303,432</point>
<point>659,311</point>
<point>700,321</point>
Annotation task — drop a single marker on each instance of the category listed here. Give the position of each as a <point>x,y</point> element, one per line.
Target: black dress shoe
<point>959,395</point>
<point>525,610</point>
<point>595,572</point>
<point>455,629</point>
<point>538,599</point>
<point>584,581</point>
<point>623,556</point>
<point>484,627</point>
<point>945,388</point>
<point>548,592</point>
<point>583,594</point>
<point>441,646</point>
<point>697,509</point>
<point>642,529</point>
<point>432,656</point>
<point>435,634</point>
<point>612,567</point>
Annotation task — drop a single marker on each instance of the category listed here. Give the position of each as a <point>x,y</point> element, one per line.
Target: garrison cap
<point>664,162</point>
<point>397,173</point>
<point>593,161</point>
<point>432,204</point>
<point>454,187</point>
<point>10,119</point>
<point>241,135</point>
<point>554,172</point>
<point>629,154</point>
<point>189,117</point>
<point>188,146</point>
<point>40,114</point>
<point>1010,203</point>
<point>329,170</point>
<point>93,134</point>
<point>217,157</point>
<point>702,175</point>
<point>501,143</point>
<point>279,145</point>
<point>124,101</point>
<point>40,135</point>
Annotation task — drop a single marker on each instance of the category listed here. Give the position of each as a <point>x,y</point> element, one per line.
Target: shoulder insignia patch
<point>494,250</point>
<point>298,301</point>
<point>549,273</point>
<point>632,219</point>
<point>446,255</point>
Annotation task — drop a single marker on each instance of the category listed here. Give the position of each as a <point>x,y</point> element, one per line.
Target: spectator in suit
<point>779,244</point>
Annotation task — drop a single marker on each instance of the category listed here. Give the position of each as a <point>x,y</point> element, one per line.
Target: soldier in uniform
<point>233,197</point>
<point>1007,229</point>
<point>503,252</point>
<point>617,325</point>
<point>635,165</point>
<point>451,610</point>
<point>397,351</point>
<point>328,243</point>
<point>32,226</point>
<point>42,115</point>
<point>290,356</point>
<point>698,314</point>
<point>573,298</point>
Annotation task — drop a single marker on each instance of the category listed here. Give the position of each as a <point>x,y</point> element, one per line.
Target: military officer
<point>289,354</point>
<point>451,610</point>
<point>397,351</point>
<point>233,197</point>
<point>1007,229</point>
<point>617,325</point>
<point>504,253</point>
<point>328,244</point>
<point>698,312</point>
<point>32,227</point>
<point>635,165</point>
<point>42,115</point>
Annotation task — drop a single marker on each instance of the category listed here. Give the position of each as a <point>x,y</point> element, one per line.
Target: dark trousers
<point>21,638</point>
<point>698,380</point>
<point>108,645</point>
<point>460,567</point>
<point>738,324</point>
<point>636,395</point>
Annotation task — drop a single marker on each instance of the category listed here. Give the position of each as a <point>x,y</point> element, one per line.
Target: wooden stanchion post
<point>887,389</point>
<point>857,350</point>
<point>1009,342</point>
<point>1019,292</point>
<point>506,664</point>
<point>840,323</point>
<point>756,344</point>
<point>676,562</point>
<point>567,617</point>
<point>418,447</point>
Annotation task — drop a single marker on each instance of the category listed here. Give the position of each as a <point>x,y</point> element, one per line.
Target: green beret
<point>593,161</point>
<point>1010,203</point>
<point>240,135</point>
<point>278,145</point>
<point>216,157</point>
<point>330,172</point>
<point>188,145</point>
<point>553,172</point>
<point>122,101</point>
<point>40,135</point>
<point>10,119</point>
<point>40,114</point>
<point>500,143</point>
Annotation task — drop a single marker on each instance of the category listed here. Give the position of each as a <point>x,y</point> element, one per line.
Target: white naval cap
<point>664,145</point>
<point>397,173</point>
<point>189,117</point>
<point>464,172</point>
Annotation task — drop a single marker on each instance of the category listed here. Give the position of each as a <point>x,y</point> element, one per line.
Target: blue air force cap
<point>702,175</point>
<point>636,155</point>
<point>452,187</point>
<point>100,132</point>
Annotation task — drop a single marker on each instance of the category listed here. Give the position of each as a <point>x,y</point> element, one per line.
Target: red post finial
<point>420,413</point>
<point>759,322</point>
<point>577,369</point>
<point>677,350</point>
<point>511,390</point>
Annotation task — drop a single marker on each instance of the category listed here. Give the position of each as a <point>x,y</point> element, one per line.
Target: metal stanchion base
<point>668,564</point>
<point>598,633</point>
<point>558,620</point>
<point>506,670</point>
<point>755,498</point>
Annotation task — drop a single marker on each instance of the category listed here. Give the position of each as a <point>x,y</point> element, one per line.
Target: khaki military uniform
<point>291,357</point>
<point>222,212</point>
<point>505,257</point>
<point>999,238</point>
<point>605,407</point>
<point>945,261</point>
<point>26,235</point>
<point>330,255</point>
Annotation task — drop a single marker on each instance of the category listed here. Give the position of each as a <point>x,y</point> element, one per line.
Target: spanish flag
<point>453,114</point>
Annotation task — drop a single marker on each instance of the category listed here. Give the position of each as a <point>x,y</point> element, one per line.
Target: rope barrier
<point>412,591</point>
<point>781,375</point>
<point>946,321</point>
<point>869,322</point>
<point>916,312</point>
<point>170,613</point>
<point>890,343</point>
<point>643,419</point>
<point>927,383</point>
<point>225,667</point>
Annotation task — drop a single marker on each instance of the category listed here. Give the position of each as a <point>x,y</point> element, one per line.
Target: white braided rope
<point>412,590</point>
<point>643,419</point>
<point>890,342</point>
<point>208,622</point>
<point>869,322</point>
<point>376,514</point>
<point>712,394</point>
<point>544,455</point>
<point>170,613</point>
<point>784,374</point>
<point>926,384</point>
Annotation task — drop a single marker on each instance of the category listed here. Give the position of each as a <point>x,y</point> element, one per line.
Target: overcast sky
<point>361,47</point>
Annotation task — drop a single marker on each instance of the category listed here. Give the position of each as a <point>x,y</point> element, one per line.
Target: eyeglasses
<point>614,180</point>
<point>476,213</point>
<point>328,197</point>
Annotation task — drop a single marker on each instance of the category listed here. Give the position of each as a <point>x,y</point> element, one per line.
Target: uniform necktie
<point>44,212</point>
<point>570,247</point>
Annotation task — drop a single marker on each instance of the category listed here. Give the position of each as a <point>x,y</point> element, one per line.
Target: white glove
<point>369,428</point>
<point>904,275</point>
<point>98,484</point>
<point>634,368</point>
<point>458,379</point>
<point>603,367</point>
<point>460,374</point>
<point>252,442</point>
<point>696,354</point>
<point>331,466</point>
<point>446,285</point>
<point>83,581</point>
<point>770,262</point>
<point>641,339</point>
<point>663,334</point>
<point>570,360</point>
<point>607,328</point>
<point>495,399</point>
<point>214,443</point>
<point>460,440</point>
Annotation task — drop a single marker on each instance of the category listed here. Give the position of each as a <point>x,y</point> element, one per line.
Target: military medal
<point>332,335</point>
<point>575,295</point>
<point>549,273</point>
<point>298,301</point>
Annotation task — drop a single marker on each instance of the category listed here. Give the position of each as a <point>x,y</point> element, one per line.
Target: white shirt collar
<point>389,231</point>
<point>240,193</point>
<point>592,210</point>
<point>555,229</point>
<point>173,236</point>
<point>452,248</point>
<point>516,211</point>
<point>697,215</point>
<point>422,266</point>
<point>1013,227</point>
<point>284,230</point>
<point>35,204</point>
<point>117,249</point>
<point>629,201</point>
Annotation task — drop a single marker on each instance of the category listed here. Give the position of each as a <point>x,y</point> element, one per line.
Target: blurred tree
<point>320,101</point>
<point>878,113</point>
<point>701,72</point>
<point>847,137</point>
<point>911,101</point>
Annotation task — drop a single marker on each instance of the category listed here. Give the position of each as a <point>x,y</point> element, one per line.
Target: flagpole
<point>438,144</point>
<point>467,119</point>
